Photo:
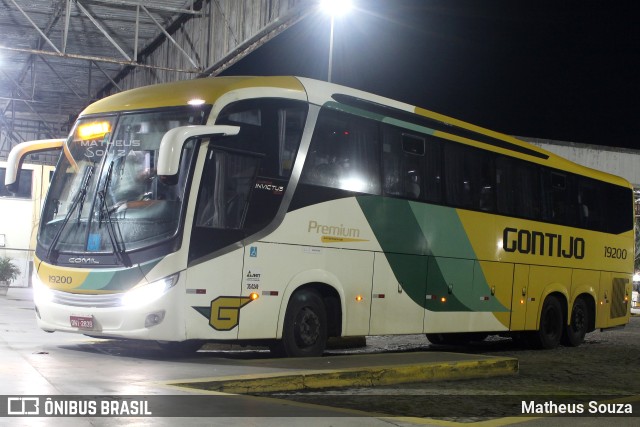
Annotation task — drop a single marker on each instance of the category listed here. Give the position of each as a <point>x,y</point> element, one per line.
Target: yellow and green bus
<point>285,210</point>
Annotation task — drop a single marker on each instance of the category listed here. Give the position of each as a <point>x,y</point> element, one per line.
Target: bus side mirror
<point>19,152</point>
<point>173,141</point>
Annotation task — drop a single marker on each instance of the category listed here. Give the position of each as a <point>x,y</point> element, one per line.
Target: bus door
<point>216,252</point>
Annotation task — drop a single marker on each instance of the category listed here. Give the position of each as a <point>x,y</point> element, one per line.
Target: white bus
<point>285,210</point>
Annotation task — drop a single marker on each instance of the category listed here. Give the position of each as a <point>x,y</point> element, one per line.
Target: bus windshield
<point>105,196</point>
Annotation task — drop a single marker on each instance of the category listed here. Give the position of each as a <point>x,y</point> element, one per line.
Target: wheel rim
<point>307,327</point>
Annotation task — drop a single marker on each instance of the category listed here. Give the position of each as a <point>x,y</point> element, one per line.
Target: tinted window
<point>590,214</point>
<point>272,127</point>
<point>227,181</point>
<point>518,188</point>
<point>411,165</point>
<point>617,208</point>
<point>559,197</point>
<point>344,153</point>
<point>469,177</point>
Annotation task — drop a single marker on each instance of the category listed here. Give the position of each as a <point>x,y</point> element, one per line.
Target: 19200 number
<point>65,280</point>
<point>615,253</point>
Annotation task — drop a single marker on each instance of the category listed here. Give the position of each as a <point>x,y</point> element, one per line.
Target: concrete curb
<point>357,377</point>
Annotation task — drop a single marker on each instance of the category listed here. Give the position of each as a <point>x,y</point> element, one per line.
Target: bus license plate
<point>81,322</point>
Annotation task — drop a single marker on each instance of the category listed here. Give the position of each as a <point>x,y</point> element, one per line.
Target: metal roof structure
<point>58,56</point>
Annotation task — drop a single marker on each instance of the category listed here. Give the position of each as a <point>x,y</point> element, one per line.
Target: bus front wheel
<point>551,325</point>
<point>305,326</point>
<point>575,331</point>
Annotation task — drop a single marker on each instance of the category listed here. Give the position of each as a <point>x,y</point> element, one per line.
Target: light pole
<point>334,8</point>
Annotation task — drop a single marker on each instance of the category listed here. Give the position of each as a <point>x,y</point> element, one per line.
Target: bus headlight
<point>41,292</point>
<point>146,294</point>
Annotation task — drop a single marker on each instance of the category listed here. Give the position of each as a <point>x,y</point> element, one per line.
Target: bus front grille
<point>86,300</point>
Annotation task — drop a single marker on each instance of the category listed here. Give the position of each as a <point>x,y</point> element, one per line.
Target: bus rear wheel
<point>551,325</point>
<point>305,326</point>
<point>577,328</point>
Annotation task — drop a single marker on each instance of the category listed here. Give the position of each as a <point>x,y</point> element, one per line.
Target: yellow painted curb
<point>357,377</point>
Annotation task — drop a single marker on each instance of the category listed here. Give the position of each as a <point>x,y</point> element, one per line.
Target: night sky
<point>564,70</point>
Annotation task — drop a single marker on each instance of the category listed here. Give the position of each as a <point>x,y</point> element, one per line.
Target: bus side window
<point>559,201</point>
<point>226,184</point>
<point>589,209</point>
<point>272,127</point>
<point>411,165</point>
<point>290,127</point>
<point>403,163</point>
<point>518,188</point>
<point>470,176</point>
<point>344,154</point>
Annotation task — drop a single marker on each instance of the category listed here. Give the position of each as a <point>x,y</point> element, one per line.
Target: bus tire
<point>577,328</point>
<point>551,325</point>
<point>304,333</point>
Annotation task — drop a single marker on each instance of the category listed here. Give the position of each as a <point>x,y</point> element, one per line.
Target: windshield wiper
<point>78,200</point>
<point>118,251</point>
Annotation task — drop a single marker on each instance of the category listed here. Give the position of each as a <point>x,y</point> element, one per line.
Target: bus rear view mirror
<point>173,141</point>
<point>19,152</point>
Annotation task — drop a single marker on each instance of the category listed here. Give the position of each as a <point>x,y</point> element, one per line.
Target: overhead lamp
<point>336,7</point>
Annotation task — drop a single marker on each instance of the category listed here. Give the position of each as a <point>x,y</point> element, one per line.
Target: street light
<point>334,8</point>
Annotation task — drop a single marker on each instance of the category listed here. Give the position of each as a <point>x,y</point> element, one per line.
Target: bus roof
<point>180,93</point>
<point>320,93</point>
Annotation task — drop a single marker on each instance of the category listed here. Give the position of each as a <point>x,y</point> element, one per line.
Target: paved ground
<point>71,367</point>
<point>606,366</point>
<point>62,364</point>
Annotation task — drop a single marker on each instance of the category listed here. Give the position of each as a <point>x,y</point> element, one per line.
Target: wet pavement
<point>75,367</point>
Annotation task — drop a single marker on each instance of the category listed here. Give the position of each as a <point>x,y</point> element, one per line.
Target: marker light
<point>521,301</point>
<point>94,130</point>
<point>146,294</point>
<point>443,299</point>
<point>359,298</point>
<point>254,296</point>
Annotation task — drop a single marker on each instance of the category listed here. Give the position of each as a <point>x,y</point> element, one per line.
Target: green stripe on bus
<point>117,280</point>
<point>378,117</point>
<point>418,240</point>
